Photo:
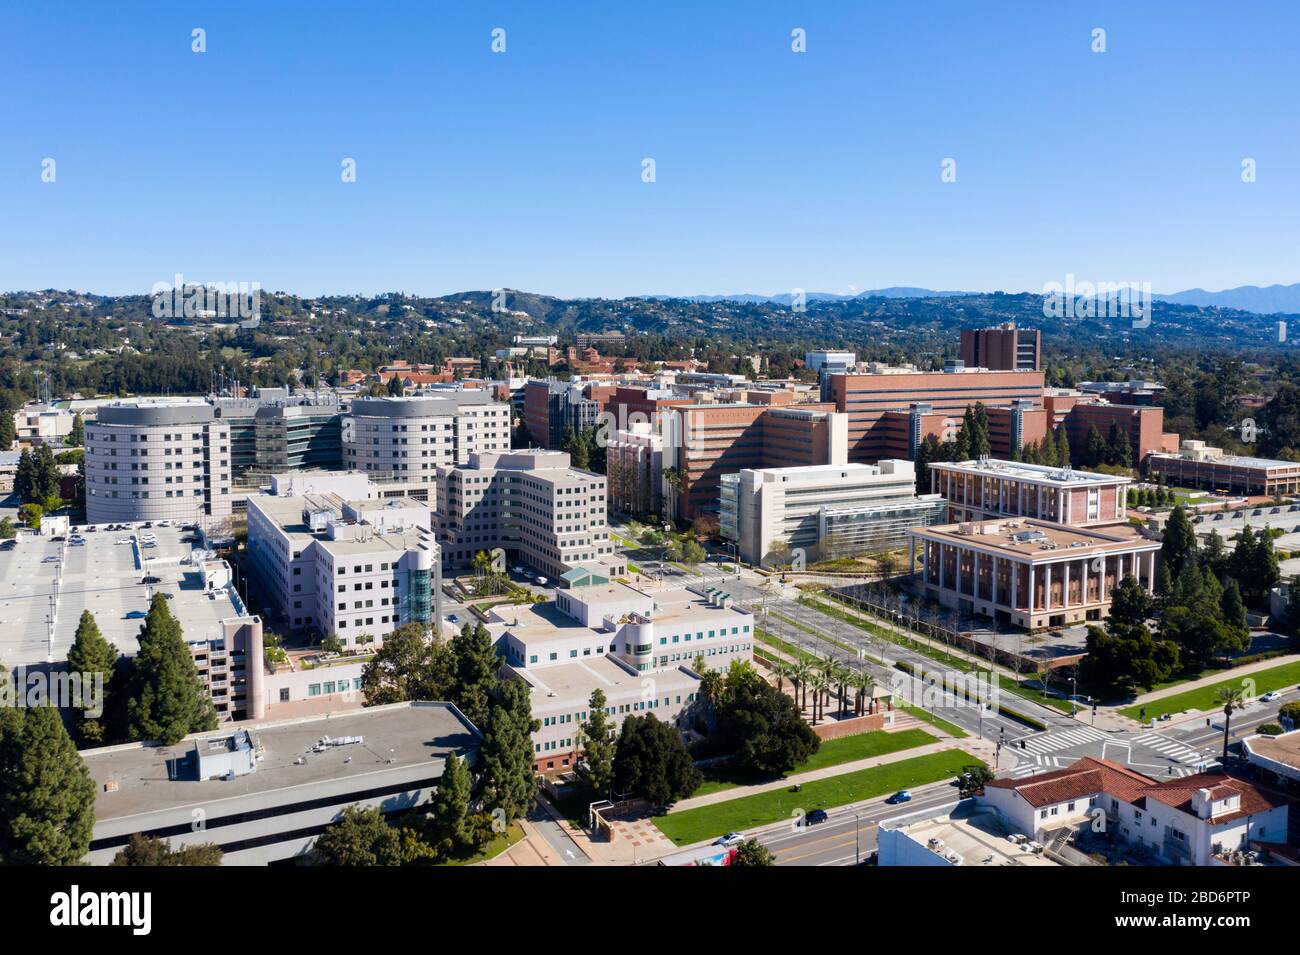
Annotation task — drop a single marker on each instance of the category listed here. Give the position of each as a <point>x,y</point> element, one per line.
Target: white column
<point>956,568</point>
<point>1083,584</point>
<point>1040,501</point>
<point>1015,583</point>
<point>1101,584</point>
<point>975,572</point>
<point>1151,572</point>
<point>1047,580</point>
<point>1065,586</point>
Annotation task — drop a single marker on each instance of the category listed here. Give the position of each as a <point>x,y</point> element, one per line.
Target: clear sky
<point>774,170</point>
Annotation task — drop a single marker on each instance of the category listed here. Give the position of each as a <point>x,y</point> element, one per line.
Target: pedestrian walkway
<point>1059,740</point>
<point>982,749</point>
<point>1171,748</point>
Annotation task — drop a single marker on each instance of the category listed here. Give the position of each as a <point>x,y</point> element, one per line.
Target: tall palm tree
<point>1232,698</point>
<point>842,677</point>
<point>781,670</point>
<point>819,684</point>
<point>801,674</point>
<point>865,684</point>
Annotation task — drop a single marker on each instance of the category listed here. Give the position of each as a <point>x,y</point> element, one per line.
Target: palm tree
<point>800,675</point>
<point>842,677</point>
<point>818,682</point>
<point>781,670</point>
<point>865,684</point>
<point>1232,698</point>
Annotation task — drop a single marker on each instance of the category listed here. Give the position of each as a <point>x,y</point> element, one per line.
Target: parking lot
<point>46,583</point>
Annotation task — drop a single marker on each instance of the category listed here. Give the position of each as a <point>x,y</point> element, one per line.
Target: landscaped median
<point>1204,697</point>
<point>761,809</point>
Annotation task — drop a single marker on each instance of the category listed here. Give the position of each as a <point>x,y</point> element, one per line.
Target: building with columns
<point>1031,573</point>
<point>977,490</point>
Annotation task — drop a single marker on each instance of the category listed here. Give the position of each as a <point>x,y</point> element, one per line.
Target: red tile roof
<point>1087,777</point>
<point>1255,798</point>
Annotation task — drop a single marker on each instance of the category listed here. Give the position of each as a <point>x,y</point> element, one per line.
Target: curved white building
<point>157,459</point>
<point>408,439</point>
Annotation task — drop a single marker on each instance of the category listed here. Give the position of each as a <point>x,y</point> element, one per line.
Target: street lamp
<point>857,844</point>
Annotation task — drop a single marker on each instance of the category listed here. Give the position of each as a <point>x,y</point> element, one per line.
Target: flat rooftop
<point>563,683</point>
<point>1283,749</point>
<point>40,574</point>
<point>1033,538</point>
<point>151,778</point>
<point>978,838</point>
<point>1033,473</point>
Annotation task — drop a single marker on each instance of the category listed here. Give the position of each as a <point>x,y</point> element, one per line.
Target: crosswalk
<point>1037,754</point>
<point>1170,748</point>
<point>1066,739</point>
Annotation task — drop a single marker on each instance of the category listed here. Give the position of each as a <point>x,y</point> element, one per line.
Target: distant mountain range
<point>1270,300</point>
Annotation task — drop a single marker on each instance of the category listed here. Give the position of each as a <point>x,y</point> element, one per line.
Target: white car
<point>125,540</point>
<point>1270,696</point>
<point>541,581</point>
<point>730,839</point>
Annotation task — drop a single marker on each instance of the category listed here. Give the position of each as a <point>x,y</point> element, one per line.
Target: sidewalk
<point>981,749</point>
<point>1108,717</point>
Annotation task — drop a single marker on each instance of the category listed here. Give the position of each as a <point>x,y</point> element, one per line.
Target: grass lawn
<point>832,752</point>
<point>494,848</point>
<point>748,812</point>
<point>1203,697</point>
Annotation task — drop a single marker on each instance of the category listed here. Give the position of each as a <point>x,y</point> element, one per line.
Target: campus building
<point>411,438</point>
<point>266,790</point>
<point>1029,572</point>
<point>867,398</point>
<point>825,511</point>
<point>150,459</point>
<point>276,431</point>
<point>41,423</point>
<point>1201,820</point>
<point>634,466</point>
<point>535,507</point>
<point>1200,466</point>
<point>640,649</point>
<point>705,442</point>
<point>1001,348</point>
<point>357,569</point>
<point>977,490</point>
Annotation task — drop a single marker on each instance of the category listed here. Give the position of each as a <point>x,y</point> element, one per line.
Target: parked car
<point>730,839</point>
<point>151,579</point>
<point>52,559</point>
<point>541,581</point>
<point>78,542</point>
<point>815,817</point>
<point>901,796</point>
<point>124,540</point>
<point>135,615</point>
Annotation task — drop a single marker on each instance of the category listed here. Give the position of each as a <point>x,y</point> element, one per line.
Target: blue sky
<point>775,170</point>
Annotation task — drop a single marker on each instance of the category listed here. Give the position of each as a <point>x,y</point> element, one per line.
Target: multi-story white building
<point>356,569</point>
<point>411,438</point>
<point>634,464</point>
<point>830,510</point>
<point>640,649</point>
<point>533,506</point>
<point>40,423</point>
<point>157,459</point>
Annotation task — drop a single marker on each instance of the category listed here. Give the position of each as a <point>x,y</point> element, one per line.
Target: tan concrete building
<point>1031,573</point>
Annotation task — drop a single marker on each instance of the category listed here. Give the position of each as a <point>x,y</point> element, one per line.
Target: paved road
<point>1161,752</point>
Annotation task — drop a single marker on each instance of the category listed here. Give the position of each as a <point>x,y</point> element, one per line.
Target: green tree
<point>751,852</point>
<point>761,725</point>
<point>1119,450</point>
<point>360,838</point>
<point>95,659</point>
<point>449,809</point>
<point>598,744</point>
<point>1231,698</point>
<point>167,699</point>
<point>8,429</point>
<point>142,850</point>
<point>507,752</point>
<point>476,666</point>
<point>47,796</point>
<point>395,387</point>
<point>1234,609</point>
<point>77,436</point>
<point>1062,447</point>
<point>652,762</point>
<point>1130,604</point>
<point>7,531</point>
<point>1179,545</point>
<point>409,666</point>
<point>1094,448</point>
